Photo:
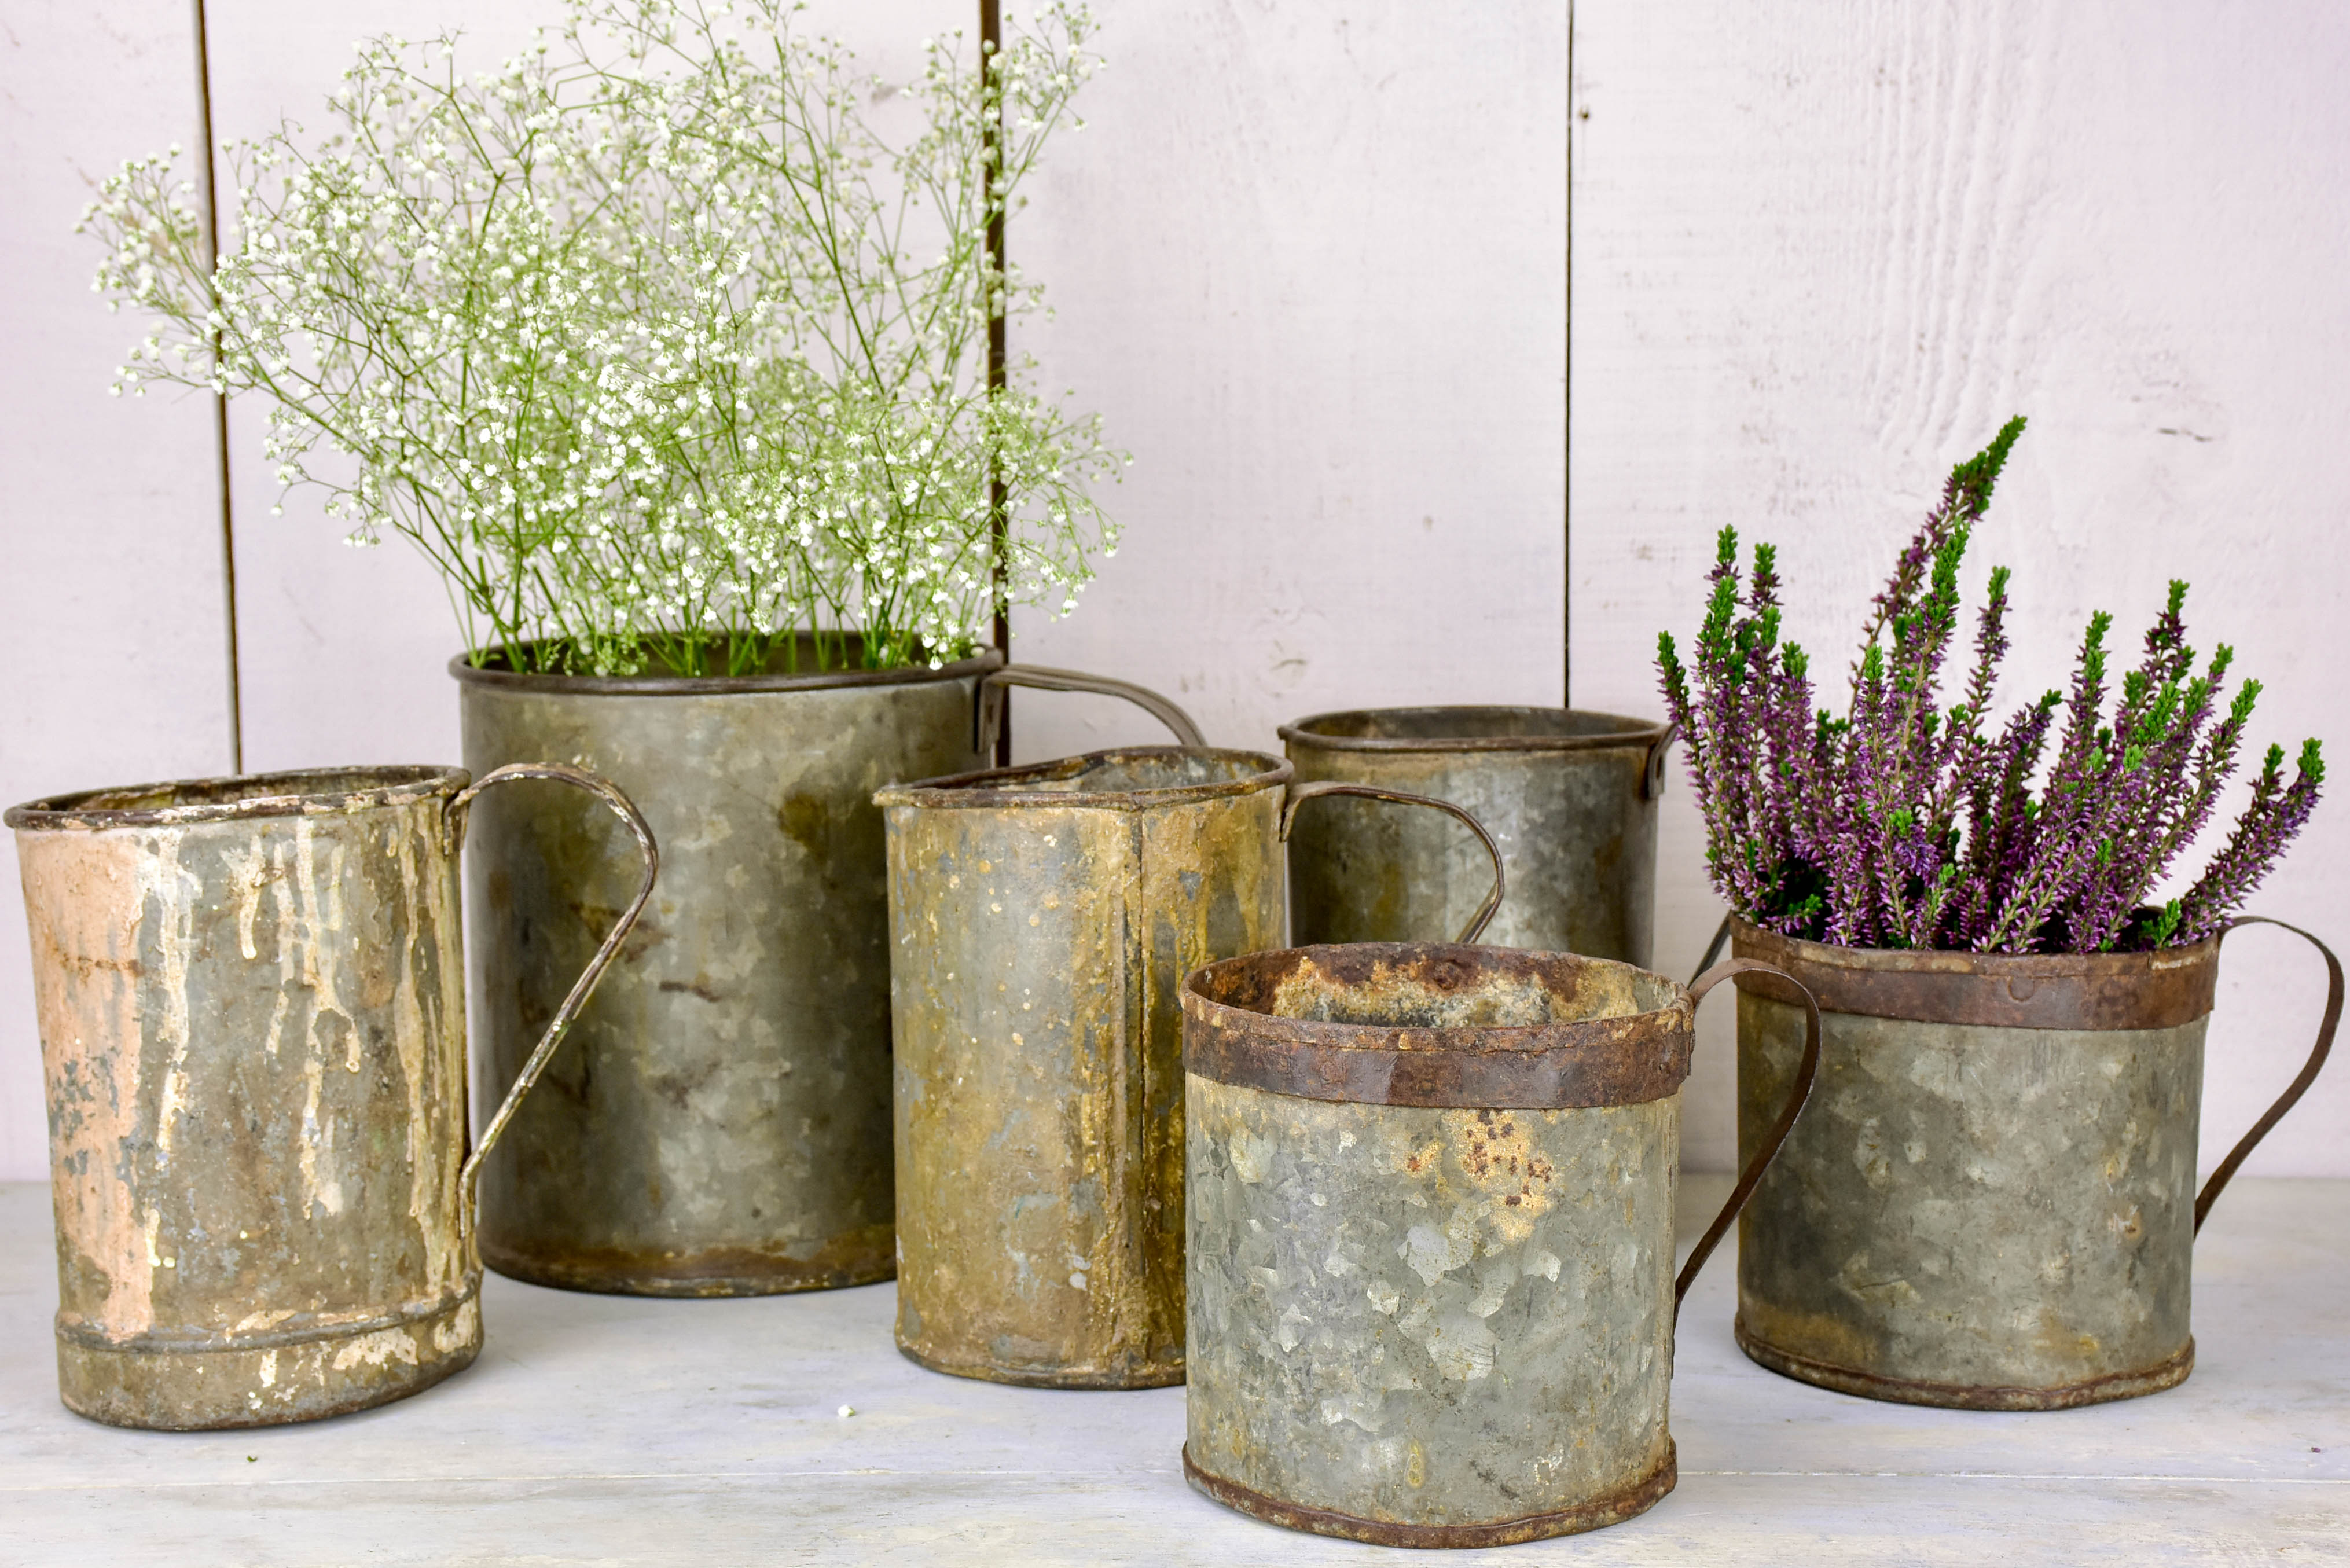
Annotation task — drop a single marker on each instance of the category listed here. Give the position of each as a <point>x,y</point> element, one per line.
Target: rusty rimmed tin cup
<point>1430,1199</point>
<point>1994,1206</point>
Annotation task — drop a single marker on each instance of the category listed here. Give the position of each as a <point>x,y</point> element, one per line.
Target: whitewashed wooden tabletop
<point>599,1429</point>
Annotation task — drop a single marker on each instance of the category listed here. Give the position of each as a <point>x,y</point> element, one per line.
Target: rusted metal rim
<point>72,1331</point>
<point>110,1384</point>
<point>1231,1036</point>
<point>988,787</point>
<point>471,674</point>
<point>692,1276</point>
<point>2168,1373</point>
<point>1161,1375</point>
<point>1613,1509</point>
<point>1458,728</point>
<point>2157,990</point>
<point>182,803</point>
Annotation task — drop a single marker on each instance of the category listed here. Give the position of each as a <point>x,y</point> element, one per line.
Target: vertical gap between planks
<point>1566,409</point>
<point>999,523</point>
<point>211,187</point>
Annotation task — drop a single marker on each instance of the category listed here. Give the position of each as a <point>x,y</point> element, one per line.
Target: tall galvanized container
<point>1992,1206</point>
<point>253,1027</point>
<point>722,1126</point>
<point>1430,1202</point>
<point>1570,797</point>
<point>1042,921</point>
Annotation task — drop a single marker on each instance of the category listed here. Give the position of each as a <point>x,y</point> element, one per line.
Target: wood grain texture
<point>1308,261</point>
<point>110,556</point>
<point>1822,252</point>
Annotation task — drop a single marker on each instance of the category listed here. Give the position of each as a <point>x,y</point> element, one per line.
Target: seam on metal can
<point>2168,1373</point>
<point>1597,1514</point>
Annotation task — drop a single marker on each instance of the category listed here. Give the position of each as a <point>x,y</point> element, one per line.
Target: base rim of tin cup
<point>2168,1372</point>
<point>133,1388</point>
<point>730,1273</point>
<point>986,1372</point>
<point>1597,1514</point>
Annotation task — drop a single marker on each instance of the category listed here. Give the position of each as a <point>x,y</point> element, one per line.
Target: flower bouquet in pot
<point>667,342</point>
<point>1991,1201</point>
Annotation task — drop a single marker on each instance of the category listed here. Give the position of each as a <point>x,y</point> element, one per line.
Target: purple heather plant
<point>1905,825</point>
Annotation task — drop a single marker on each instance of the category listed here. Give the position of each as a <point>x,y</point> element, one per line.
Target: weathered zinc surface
<point>1569,796</point>
<point>1042,921</point>
<point>1427,1324</point>
<point>253,1029</point>
<point>1990,1202</point>
<point>719,1124</point>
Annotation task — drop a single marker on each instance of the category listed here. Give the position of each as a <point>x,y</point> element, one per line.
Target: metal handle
<point>1653,777</point>
<point>987,715</point>
<point>1299,793</point>
<point>1753,1176</point>
<point>1712,949</point>
<point>469,1176</point>
<point>2300,1085</point>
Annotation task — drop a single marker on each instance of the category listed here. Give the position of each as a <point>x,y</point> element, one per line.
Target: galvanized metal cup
<point>252,1006</point>
<point>1430,1201</point>
<point>1570,797</point>
<point>1994,1207</point>
<point>1042,920</point>
<point>722,1127</point>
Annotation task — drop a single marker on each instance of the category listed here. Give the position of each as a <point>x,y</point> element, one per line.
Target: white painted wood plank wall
<point>1309,261</point>
<point>1822,251</point>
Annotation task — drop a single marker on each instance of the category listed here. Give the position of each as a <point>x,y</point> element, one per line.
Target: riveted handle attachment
<point>987,713</point>
<point>1751,1176</point>
<point>1299,793</point>
<point>2300,1085</point>
<point>469,1177</point>
<point>1652,776</point>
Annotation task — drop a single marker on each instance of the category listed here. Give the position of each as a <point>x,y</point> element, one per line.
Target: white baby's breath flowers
<point>628,335</point>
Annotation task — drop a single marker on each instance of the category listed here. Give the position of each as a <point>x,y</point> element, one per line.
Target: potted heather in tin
<point>668,342</point>
<point>1990,1202</point>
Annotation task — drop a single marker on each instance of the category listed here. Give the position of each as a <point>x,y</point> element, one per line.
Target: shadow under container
<point>722,1125</point>
<point>1569,796</point>
<point>1992,1206</point>
<point>1044,919</point>
<point>1430,1197</point>
<point>252,1005</point>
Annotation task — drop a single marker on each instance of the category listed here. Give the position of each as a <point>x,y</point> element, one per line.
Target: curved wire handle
<point>987,715</point>
<point>1299,793</point>
<point>469,1175</point>
<point>2300,1085</point>
<point>1753,1176</point>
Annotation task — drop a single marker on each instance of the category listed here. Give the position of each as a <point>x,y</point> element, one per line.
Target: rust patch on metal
<point>1439,1025</point>
<point>2168,1373</point>
<point>1614,1509</point>
<point>2157,990</point>
<point>861,1257</point>
<point>1042,921</point>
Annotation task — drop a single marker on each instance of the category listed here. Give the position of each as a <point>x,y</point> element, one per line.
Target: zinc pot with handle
<point>1043,919</point>
<point>1569,795</point>
<point>722,1125</point>
<point>1430,1201</point>
<point>252,1003</point>
<point>1994,1204</point>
